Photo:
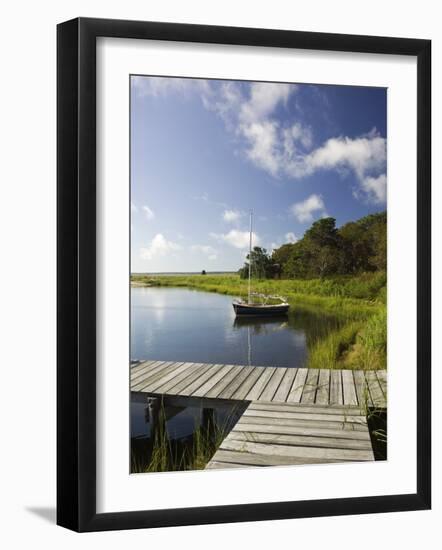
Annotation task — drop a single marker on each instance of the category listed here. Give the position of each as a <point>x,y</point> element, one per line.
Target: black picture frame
<point>76,273</point>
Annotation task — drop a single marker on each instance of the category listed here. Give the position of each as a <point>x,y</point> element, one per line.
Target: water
<point>175,324</point>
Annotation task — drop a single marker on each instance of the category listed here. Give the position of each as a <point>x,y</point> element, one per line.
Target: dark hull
<point>246,309</point>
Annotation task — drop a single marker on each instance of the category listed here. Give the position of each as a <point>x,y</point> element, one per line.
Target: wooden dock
<point>291,416</point>
<point>270,384</point>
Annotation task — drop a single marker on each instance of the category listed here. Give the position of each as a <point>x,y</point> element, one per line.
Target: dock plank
<point>149,380</point>
<point>286,385</point>
<point>216,377</point>
<point>310,387</point>
<point>260,384</point>
<point>336,397</point>
<point>273,384</point>
<point>323,392</point>
<point>298,386</point>
<point>191,382</point>
<point>377,395</point>
<point>348,387</point>
<point>362,392</point>
<point>248,384</point>
<point>278,451</point>
<point>224,382</point>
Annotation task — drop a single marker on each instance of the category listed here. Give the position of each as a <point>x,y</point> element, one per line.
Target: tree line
<point>325,250</point>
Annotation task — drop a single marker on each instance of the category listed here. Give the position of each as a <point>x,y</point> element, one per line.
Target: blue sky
<point>206,152</point>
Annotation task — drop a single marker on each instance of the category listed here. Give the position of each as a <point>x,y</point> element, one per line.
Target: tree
<point>262,265</point>
<point>203,272</point>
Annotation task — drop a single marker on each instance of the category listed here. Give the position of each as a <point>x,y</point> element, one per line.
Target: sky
<point>204,153</point>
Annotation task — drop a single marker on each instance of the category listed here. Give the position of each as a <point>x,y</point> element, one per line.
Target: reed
<point>357,340</point>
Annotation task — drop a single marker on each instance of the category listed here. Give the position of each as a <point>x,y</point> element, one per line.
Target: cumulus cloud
<point>290,237</point>
<point>238,239</point>
<point>208,250</point>
<point>303,211</point>
<point>231,215</point>
<point>251,111</point>
<point>150,215</point>
<point>375,188</point>
<point>158,246</point>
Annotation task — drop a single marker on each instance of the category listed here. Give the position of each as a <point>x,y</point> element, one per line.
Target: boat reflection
<point>261,325</point>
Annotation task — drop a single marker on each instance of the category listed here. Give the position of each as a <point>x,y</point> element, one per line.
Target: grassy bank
<point>357,340</point>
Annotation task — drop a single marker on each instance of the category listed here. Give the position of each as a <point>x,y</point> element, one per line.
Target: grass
<point>164,454</point>
<point>355,306</point>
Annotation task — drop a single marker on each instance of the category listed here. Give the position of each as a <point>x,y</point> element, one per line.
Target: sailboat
<point>278,305</point>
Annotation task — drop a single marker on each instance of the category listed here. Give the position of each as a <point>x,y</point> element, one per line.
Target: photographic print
<point>258,274</point>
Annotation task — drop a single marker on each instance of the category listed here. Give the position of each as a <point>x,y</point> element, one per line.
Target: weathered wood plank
<point>194,381</point>
<point>300,407</point>
<point>147,372</point>
<point>362,392</point>
<point>214,465</point>
<point>169,380</point>
<point>296,451</point>
<point>256,459</point>
<point>236,383</point>
<point>348,387</point>
<point>286,385</point>
<point>311,386</point>
<point>336,397</point>
<point>301,440</point>
<point>167,375</point>
<point>325,424</point>
<point>298,386</point>
<point>179,388</point>
<point>248,384</point>
<point>271,415</point>
<point>382,378</point>
<point>306,430</point>
<point>224,382</point>
<point>377,395</point>
<point>142,365</point>
<point>323,393</point>
<point>260,384</point>
<point>272,385</point>
<point>217,376</point>
<point>180,377</point>
<point>150,379</point>
<point>200,378</point>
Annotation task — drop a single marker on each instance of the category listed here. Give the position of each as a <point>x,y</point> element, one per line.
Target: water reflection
<point>175,324</point>
<point>166,436</point>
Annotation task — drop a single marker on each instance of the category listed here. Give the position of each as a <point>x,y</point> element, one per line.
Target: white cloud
<point>375,189</point>
<point>303,211</point>
<point>148,213</point>
<point>160,86</point>
<point>231,215</point>
<point>159,246</point>
<point>204,249</point>
<point>290,237</point>
<point>281,149</point>
<point>133,207</point>
<point>363,155</point>
<point>238,239</point>
<point>263,100</point>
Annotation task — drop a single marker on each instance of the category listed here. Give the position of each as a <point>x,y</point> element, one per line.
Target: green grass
<point>358,303</point>
<point>191,453</point>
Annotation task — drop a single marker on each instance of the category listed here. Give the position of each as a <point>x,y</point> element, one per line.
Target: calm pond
<point>176,324</point>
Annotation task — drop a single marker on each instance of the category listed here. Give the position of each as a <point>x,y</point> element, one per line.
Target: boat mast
<point>250,253</point>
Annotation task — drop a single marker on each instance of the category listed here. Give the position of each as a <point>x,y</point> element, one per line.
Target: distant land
<point>171,273</point>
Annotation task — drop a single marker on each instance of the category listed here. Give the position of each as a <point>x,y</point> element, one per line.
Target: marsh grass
<point>352,308</point>
<point>164,454</point>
